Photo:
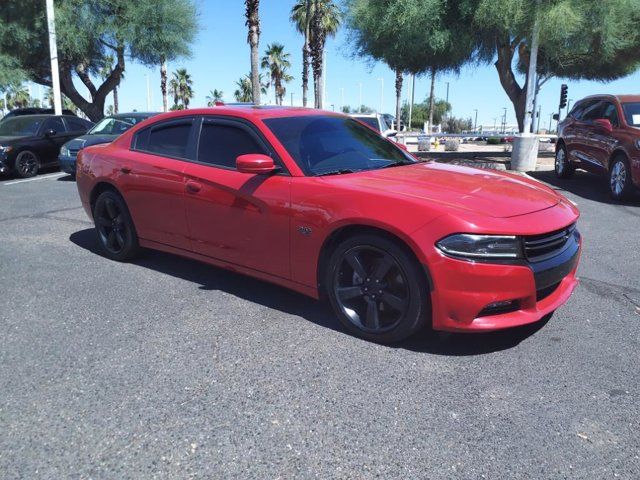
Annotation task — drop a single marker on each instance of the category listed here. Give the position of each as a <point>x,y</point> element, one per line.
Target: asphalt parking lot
<point>166,368</point>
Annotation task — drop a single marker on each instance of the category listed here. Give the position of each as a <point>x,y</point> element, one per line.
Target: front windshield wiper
<point>335,172</point>
<point>398,164</point>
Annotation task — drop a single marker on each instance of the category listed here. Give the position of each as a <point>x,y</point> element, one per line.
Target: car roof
<point>364,115</point>
<point>132,114</point>
<point>247,112</point>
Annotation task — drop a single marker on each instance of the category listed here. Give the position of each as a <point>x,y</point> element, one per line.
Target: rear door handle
<point>193,187</point>
<point>125,169</point>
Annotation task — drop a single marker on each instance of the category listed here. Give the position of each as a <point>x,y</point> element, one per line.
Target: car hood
<point>88,140</point>
<point>484,192</point>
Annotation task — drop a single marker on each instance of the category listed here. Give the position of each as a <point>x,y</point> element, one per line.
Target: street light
<point>504,120</point>
<point>475,125</point>
<point>292,99</point>
<point>381,94</point>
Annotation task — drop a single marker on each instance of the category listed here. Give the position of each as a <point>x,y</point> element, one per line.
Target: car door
<point>239,218</point>
<point>602,142</point>
<point>586,151</point>
<point>151,177</point>
<point>53,135</point>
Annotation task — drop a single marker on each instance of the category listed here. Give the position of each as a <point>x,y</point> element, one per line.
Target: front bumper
<point>67,164</point>
<point>463,290</point>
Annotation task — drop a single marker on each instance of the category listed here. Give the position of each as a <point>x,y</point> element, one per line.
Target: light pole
<point>447,91</point>
<point>569,105</point>
<point>504,120</point>
<point>360,104</point>
<point>475,125</point>
<point>495,124</point>
<point>53,51</point>
<point>381,94</point>
<point>550,122</point>
<point>292,99</point>
<point>539,117</point>
<point>341,98</point>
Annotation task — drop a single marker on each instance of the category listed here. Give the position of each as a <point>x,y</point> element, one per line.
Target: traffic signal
<point>563,95</point>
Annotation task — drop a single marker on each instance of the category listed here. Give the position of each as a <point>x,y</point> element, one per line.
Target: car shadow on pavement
<point>583,184</point>
<point>293,303</point>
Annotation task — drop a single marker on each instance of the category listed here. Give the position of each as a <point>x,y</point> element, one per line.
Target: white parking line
<point>41,177</point>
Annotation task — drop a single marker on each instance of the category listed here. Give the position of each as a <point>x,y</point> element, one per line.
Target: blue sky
<point>221,56</point>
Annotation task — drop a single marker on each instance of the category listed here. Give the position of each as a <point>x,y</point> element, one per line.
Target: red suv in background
<point>601,134</point>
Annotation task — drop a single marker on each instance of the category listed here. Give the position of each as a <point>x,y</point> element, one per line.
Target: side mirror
<point>556,117</point>
<point>603,124</point>
<point>50,132</point>
<point>389,133</point>
<point>255,163</point>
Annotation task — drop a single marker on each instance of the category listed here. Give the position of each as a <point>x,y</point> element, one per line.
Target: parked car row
<point>34,138</point>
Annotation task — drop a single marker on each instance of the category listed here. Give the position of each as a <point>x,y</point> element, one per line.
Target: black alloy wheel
<point>116,233</point>
<point>27,164</point>
<point>377,290</point>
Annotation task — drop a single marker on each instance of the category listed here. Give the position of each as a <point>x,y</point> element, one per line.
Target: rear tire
<point>620,182</point>
<point>377,289</point>
<point>27,164</point>
<point>563,167</point>
<point>114,227</point>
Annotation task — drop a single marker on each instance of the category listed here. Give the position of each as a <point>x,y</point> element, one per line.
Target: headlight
<point>5,149</point>
<point>478,247</point>
<point>64,151</point>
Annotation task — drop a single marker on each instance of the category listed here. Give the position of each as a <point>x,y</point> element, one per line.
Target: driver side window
<point>56,124</point>
<point>610,112</point>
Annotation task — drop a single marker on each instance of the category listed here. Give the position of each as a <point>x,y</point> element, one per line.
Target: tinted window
<point>55,123</point>
<point>20,126</point>
<point>632,113</point>
<point>326,144</point>
<point>222,144</point>
<point>169,140</point>
<point>371,121</point>
<point>592,112</point>
<point>610,112</point>
<point>77,125</point>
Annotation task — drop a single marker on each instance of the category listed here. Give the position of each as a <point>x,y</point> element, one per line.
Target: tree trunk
<point>253,22</point>
<point>516,93</point>
<point>398,98</point>
<point>432,99</point>
<point>305,56</point>
<point>163,83</point>
<point>115,100</point>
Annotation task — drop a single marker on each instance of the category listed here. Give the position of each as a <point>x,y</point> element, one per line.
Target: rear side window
<point>55,123</point>
<point>220,144</point>
<point>169,139</point>
<point>77,125</point>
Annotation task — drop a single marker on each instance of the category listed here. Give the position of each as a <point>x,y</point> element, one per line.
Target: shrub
<point>452,145</point>
<point>493,141</point>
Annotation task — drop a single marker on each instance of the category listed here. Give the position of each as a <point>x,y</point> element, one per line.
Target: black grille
<point>541,247</point>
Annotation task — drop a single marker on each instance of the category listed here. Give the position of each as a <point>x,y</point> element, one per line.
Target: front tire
<point>115,229</point>
<point>563,167</point>
<point>620,183</point>
<point>27,164</point>
<point>377,289</point>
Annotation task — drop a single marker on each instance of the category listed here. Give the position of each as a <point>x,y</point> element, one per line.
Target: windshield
<point>20,126</point>
<point>114,126</point>
<point>323,145</point>
<point>632,113</point>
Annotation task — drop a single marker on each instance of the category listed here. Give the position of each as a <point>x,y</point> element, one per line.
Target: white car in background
<point>377,122</point>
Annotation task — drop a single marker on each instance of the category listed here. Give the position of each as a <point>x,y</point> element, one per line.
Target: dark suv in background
<point>601,134</point>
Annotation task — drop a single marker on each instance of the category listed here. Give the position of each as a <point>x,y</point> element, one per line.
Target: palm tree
<point>244,92</point>
<point>213,97</point>
<point>105,71</point>
<point>277,62</point>
<point>18,97</point>
<point>180,88</point>
<point>253,37</point>
<point>163,82</point>
<point>317,20</point>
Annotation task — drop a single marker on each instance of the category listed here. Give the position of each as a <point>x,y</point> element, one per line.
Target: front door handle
<point>193,187</point>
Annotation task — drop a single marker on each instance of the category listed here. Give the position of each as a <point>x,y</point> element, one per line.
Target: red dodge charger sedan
<point>322,204</point>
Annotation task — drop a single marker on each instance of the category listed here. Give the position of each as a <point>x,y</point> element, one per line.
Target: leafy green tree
<point>164,30</point>
<point>181,88</point>
<point>244,92</point>
<point>457,125</point>
<point>18,96</point>
<point>213,97</point>
<point>252,16</point>
<point>87,32</point>
<point>105,71</point>
<point>301,17</point>
<point>276,61</point>
<point>579,39</point>
<point>422,113</point>
<point>410,36</point>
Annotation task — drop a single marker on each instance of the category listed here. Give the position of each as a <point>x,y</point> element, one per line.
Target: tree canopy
<point>87,32</point>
